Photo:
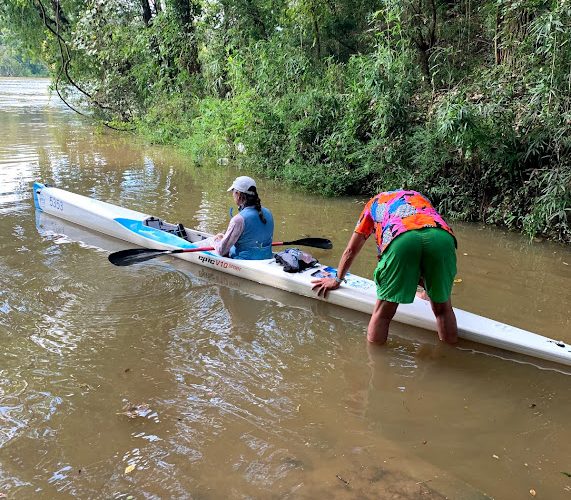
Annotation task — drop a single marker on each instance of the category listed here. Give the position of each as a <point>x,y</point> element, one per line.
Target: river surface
<point>167,380</point>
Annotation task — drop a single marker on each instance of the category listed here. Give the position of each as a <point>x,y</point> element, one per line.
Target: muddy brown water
<point>167,380</point>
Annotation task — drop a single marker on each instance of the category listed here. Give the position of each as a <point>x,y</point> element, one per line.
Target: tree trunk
<point>257,20</point>
<point>60,18</point>
<point>147,14</point>
<point>316,32</point>
<point>425,38</point>
<point>187,11</point>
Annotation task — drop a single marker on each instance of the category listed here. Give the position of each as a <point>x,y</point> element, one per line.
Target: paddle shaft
<point>206,249</point>
<point>134,256</point>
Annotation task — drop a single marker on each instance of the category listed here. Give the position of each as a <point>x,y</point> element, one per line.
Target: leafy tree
<point>467,101</point>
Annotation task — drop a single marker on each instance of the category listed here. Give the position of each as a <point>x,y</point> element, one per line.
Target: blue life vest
<point>255,242</point>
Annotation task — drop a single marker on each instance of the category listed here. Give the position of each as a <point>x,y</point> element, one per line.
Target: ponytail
<point>253,200</point>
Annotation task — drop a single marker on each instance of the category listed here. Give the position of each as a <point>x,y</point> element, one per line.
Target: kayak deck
<point>358,293</point>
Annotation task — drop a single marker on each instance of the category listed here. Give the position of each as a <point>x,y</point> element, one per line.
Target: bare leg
<point>445,321</point>
<point>378,329</point>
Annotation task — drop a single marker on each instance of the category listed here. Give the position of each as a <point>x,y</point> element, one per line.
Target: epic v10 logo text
<point>217,262</point>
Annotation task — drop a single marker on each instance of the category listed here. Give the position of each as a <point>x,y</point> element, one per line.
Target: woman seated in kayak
<point>250,233</point>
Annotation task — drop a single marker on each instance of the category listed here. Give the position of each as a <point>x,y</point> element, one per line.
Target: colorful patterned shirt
<point>392,213</point>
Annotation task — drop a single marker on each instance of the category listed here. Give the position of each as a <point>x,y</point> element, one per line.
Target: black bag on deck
<point>294,260</point>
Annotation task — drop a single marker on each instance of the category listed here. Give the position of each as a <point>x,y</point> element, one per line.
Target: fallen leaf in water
<point>532,492</point>
<point>458,280</point>
<point>134,411</point>
<point>129,468</point>
<point>496,457</point>
<point>566,474</point>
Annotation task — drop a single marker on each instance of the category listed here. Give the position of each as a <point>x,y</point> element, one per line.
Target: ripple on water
<point>16,177</point>
<point>242,377</point>
<point>154,289</point>
<point>24,410</point>
<point>20,94</point>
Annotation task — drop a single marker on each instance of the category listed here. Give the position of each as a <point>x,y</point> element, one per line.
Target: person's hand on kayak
<point>323,285</point>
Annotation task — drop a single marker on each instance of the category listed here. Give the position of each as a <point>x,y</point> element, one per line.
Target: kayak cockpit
<point>176,229</point>
<point>190,235</point>
<point>155,230</point>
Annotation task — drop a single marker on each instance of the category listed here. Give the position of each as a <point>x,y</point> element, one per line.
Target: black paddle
<point>136,255</point>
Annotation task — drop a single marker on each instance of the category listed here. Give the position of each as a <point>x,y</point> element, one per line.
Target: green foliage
<point>469,102</point>
<point>550,192</point>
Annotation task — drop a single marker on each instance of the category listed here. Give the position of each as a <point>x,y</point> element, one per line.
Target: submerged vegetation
<point>468,102</point>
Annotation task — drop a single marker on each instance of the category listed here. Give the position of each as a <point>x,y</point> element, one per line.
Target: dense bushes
<point>469,102</point>
<point>493,147</point>
<point>481,150</point>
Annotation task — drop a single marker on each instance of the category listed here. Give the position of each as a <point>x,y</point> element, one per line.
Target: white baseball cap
<point>243,184</point>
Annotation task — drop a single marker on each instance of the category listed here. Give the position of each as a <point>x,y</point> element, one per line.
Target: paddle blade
<point>134,256</point>
<point>311,242</point>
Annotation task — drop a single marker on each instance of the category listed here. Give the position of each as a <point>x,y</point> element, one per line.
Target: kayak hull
<point>358,293</point>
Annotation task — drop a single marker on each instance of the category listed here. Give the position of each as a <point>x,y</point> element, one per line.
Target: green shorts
<point>429,253</point>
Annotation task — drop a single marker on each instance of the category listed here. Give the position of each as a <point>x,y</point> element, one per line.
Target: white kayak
<point>358,293</point>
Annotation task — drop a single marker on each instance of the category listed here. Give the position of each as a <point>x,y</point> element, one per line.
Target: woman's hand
<point>324,285</point>
<point>218,237</point>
